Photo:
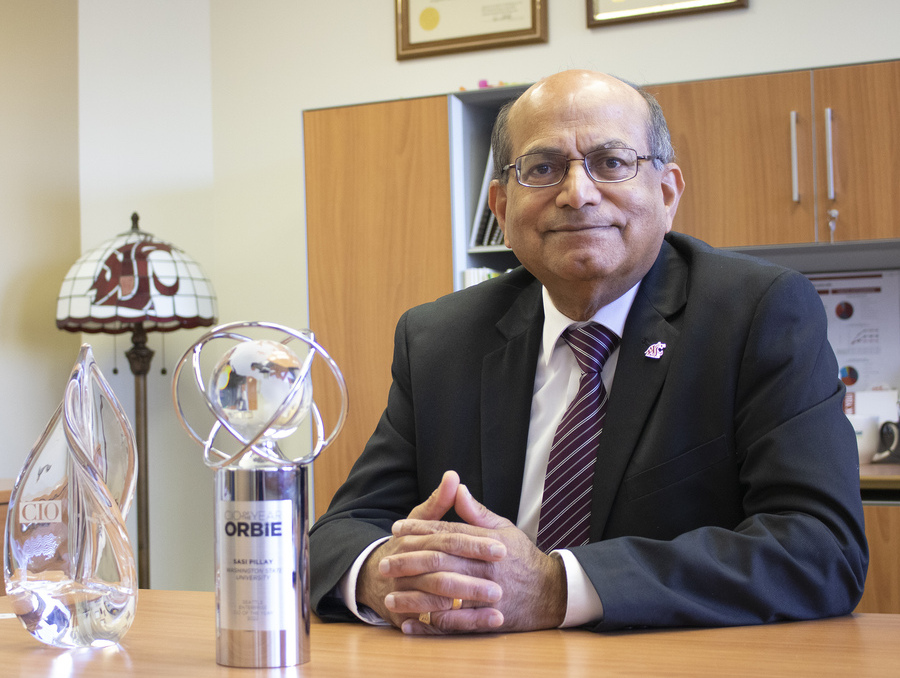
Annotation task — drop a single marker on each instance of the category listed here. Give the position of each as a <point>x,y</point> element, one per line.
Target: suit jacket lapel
<point>506,392</point>
<point>638,378</point>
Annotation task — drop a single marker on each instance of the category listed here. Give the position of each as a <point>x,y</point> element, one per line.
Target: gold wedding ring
<point>425,617</point>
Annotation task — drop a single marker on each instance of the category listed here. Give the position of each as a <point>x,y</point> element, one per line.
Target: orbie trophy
<point>259,392</point>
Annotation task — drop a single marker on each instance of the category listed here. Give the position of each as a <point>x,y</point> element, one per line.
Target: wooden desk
<point>6,486</point>
<point>879,477</point>
<point>174,635</point>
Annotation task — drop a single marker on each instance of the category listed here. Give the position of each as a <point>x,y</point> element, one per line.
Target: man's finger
<point>428,536</point>
<point>479,619</point>
<point>440,501</point>
<point>434,592</point>
<point>474,513</point>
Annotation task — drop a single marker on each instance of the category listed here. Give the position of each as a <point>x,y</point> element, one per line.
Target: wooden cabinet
<point>864,105</point>
<point>756,153</point>
<point>379,242</point>
<point>391,190</point>
<point>882,592</point>
<point>732,138</point>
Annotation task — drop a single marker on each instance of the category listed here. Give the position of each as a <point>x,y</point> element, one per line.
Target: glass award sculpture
<point>69,566</point>
<point>259,392</point>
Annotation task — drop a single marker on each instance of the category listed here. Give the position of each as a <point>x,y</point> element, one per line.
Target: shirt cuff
<point>346,588</point>
<point>583,605</point>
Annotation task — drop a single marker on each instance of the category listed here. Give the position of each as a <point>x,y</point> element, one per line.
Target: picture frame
<point>431,27</point>
<point>605,12</point>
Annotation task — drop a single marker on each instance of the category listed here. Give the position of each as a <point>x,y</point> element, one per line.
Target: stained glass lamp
<point>136,283</point>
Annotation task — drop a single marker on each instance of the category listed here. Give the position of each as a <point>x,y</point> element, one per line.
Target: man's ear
<point>672,185</point>
<point>497,203</point>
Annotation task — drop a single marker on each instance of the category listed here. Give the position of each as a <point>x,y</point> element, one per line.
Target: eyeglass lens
<point>604,165</point>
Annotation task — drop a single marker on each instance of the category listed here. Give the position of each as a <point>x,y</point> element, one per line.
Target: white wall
<point>145,134</point>
<point>343,53</point>
<point>190,114</point>
<point>38,215</point>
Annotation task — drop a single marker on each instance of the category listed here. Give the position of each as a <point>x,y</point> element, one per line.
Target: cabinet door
<point>865,110</point>
<point>378,230</point>
<point>732,139</point>
<point>882,592</point>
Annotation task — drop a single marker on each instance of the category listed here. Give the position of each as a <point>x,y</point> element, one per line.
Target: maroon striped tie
<point>566,507</point>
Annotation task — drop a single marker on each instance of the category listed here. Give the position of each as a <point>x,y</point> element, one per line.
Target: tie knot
<point>592,345</point>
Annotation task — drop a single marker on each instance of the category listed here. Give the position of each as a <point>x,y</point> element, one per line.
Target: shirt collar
<point>613,316</point>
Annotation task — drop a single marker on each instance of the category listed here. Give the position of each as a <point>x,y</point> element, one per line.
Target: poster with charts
<point>863,309</point>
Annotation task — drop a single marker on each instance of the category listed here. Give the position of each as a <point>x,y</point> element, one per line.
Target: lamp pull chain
<point>163,371</point>
<point>115,369</point>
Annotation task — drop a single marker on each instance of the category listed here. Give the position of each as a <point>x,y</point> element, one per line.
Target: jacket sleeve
<point>800,550</point>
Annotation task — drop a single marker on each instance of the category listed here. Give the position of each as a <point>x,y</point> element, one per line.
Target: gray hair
<point>658,135</point>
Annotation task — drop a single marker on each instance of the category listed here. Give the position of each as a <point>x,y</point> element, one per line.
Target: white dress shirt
<point>555,384</point>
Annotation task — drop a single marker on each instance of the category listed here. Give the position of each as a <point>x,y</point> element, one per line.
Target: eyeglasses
<point>605,165</point>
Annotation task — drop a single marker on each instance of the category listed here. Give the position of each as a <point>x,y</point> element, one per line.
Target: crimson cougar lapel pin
<point>655,351</point>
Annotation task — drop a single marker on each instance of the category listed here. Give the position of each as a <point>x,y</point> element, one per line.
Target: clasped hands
<point>505,581</point>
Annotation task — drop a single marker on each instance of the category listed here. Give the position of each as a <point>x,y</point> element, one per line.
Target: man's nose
<point>577,189</point>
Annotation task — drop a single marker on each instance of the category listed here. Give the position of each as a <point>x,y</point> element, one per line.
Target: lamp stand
<point>139,357</point>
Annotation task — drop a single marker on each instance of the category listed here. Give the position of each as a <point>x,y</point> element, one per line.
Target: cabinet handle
<point>829,153</point>
<point>833,215</point>
<point>795,174</point>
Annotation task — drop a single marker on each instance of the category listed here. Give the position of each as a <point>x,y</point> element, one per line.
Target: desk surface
<point>879,477</point>
<point>174,635</point>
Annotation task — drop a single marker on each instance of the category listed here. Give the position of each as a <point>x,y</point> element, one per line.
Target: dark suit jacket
<point>726,489</point>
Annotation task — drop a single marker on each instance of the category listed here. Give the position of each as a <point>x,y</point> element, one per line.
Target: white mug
<point>866,429</point>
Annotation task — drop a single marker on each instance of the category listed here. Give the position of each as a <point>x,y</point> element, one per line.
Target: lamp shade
<point>135,278</point>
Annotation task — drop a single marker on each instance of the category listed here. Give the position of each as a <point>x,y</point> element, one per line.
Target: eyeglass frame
<point>583,160</point>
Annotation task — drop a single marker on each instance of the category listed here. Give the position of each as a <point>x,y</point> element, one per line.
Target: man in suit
<point>725,484</point>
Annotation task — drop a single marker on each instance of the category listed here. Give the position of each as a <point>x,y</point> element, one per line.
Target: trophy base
<point>259,649</point>
<point>262,567</point>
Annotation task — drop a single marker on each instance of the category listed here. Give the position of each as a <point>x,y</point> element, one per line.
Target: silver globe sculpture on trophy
<point>260,392</point>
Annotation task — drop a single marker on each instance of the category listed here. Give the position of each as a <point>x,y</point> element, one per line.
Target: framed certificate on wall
<point>431,27</point>
<point>603,12</point>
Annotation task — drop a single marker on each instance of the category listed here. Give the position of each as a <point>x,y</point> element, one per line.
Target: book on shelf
<point>485,230</point>
<point>496,234</point>
<point>473,276</point>
<point>488,235</point>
